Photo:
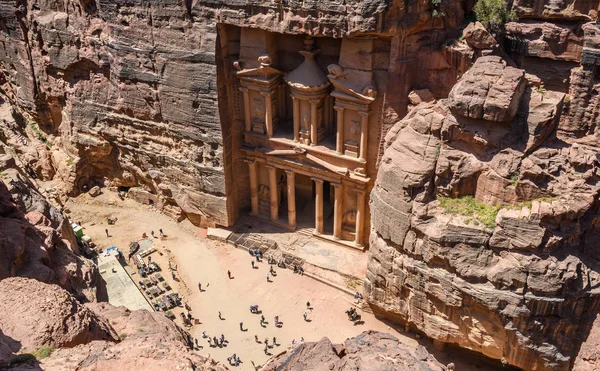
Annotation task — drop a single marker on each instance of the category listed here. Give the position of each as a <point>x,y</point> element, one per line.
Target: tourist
<point>266,342</point>
<point>268,278</point>
<point>262,319</point>
<point>252,264</point>
<point>237,361</point>
<point>305,316</point>
<point>266,349</point>
<point>302,339</point>
<point>274,340</point>
<point>241,326</point>
<point>161,232</point>
<point>222,338</point>
<point>229,274</point>
<point>152,233</point>
<point>196,341</point>
<point>276,320</point>
<point>149,259</point>
<point>189,316</point>
<point>215,341</point>
<point>200,286</point>
<point>293,341</point>
<point>221,318</point>
<point>256,338</point>
<point>106,230</point>
<point>229,360</point>
<point>295,269</point>
<point>204,334</point>
<point>272,271</point>
<point>308,305</point>
<point>209,342</point>
<point>173,275</point>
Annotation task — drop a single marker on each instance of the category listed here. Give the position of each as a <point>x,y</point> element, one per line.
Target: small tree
<point>493,14</point>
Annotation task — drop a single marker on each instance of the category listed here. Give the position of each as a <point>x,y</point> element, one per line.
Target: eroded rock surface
<point>37,241</point>
<point>370,350</point>
<point>37,314</point>
<point>588,358</point>
<point>94,336</point>
<point>520,283</point>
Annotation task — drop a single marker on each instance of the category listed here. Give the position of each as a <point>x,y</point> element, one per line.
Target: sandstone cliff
<point>485,223</point>
<point>36,239</point>
<point>35,315</point>
<point>133,94</point>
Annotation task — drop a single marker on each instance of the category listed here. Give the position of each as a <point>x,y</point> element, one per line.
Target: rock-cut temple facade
<point>309,113</point>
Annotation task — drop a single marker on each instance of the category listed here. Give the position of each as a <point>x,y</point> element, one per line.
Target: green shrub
<point>493,14</point>
<point>470,208</point>
<point>22,359</point>
<point>43,352</point>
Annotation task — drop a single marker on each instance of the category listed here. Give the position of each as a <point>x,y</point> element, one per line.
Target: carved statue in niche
<point>264,192</point>
<point>349,221</point>
<point>258,107</point>
<point>355,128</point>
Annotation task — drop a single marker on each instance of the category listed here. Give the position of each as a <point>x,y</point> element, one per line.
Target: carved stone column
<point>291,195</point>
<point>268,113</point>
<point>314,121</point>
<point>253,186</point>
<point>318,206</point>
<point>296,118</point>
<point>360,218</point>
<point>247,108</point>
<point>364,131</point>
<point>337,212</point>
<point>339,140</point>
<point>274,194</point>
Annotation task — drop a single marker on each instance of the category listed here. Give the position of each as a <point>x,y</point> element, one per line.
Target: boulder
<point>95,191</point>
<point>370,350</point>
<point>38,314</point>
<point>476,35</point>
<point>490,90</point>
<point>420,96</point>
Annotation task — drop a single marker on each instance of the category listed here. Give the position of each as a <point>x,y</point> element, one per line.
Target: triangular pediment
<point>265,74</point>
<point>344,90</point>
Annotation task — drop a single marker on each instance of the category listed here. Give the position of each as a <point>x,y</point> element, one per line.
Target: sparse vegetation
<point>493,14</point>
<point>476,212</point>
<point>43,352</point>
<point>514,179</point>
<point>40,135</point>
<point>470,208</point>
<point>122,336</point>
<point>140,330</point>
<point>541,90</point>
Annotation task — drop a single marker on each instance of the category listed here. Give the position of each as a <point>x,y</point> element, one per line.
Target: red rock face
<point>131,93</point>
<point>370,350</point>
<point>35,314</point>
<point>514,286</point>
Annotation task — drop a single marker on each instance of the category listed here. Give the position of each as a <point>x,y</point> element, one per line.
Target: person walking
<point>241,326</point>
<point>196,341</point>
<point>308,305</point>
<point>305,316</point>
<point>229,274</point>
<point>106,230</point>
<point>262,319</point>
<point>252,264</point>
<point>268,277</point>
<point>200,286</point>
<point>274,340</point>
<point>221,318</point>
<point>266,349</point>
<point>152,233</point>
<point>161,232</point>
<point>256,338</point>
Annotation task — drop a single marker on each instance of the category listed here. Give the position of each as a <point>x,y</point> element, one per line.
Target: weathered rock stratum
<point>93,336</point>
<point>370,350</point>
<point>485,223</point>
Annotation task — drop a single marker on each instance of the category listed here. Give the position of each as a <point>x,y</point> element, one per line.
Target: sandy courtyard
<point>207,262</point>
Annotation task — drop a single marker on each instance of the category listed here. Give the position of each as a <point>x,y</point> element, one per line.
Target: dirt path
<point>207,262</point>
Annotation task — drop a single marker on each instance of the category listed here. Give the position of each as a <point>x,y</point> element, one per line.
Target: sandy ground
<point>207,262</point>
